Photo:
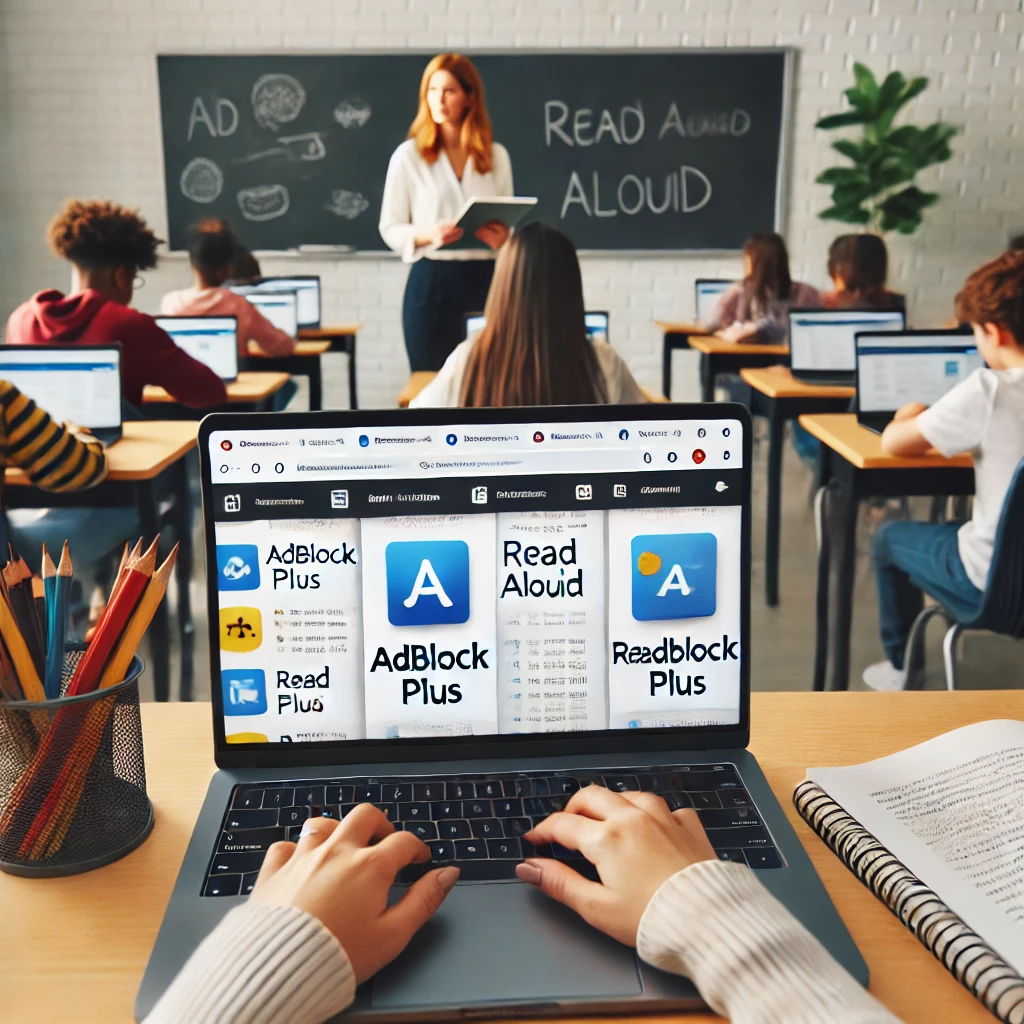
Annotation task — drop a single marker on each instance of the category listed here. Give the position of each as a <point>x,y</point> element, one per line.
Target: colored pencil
<point>24,666</point>
<point>57,622</point>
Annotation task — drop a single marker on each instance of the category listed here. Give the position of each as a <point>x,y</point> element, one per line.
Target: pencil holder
<point>72,778</point>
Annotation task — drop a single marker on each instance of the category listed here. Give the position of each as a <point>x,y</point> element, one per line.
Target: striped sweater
<point>52,456</point>
<point>714,922</point>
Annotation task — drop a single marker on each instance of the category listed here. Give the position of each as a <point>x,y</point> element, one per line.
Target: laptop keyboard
<point>477,822</point>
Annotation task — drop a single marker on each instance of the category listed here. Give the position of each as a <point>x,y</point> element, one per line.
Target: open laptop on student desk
<point>708,291</point>
<point>822,347</point>
<point>566,600</point>
<point>909,366</point>
<point>280,307</point>
<point>212,340</point>
<point>307,293</point>
<point>595,323</point>
<point>79,384</point>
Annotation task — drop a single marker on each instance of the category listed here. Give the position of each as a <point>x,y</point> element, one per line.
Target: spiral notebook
<point>937,833</point>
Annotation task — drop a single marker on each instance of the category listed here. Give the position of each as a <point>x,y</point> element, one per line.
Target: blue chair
<point>1002,606</point>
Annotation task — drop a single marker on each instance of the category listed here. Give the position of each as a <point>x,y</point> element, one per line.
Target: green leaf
<point>846,214</point>
<point>865,79</point>
<point>857,100</point>
<point>842,120</point>
<point>855,151</point>
<point>908,201</point>
<point>841,176</point>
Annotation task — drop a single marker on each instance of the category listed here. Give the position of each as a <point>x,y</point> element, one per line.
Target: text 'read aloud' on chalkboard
<point>638,151</point>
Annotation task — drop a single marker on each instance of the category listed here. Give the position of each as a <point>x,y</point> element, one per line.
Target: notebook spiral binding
<point>960,950</point>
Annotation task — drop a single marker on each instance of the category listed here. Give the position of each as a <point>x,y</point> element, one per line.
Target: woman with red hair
<point>449,157</point>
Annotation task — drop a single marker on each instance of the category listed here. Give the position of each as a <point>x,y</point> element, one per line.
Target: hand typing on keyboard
<point>359,858</point>
<point>635,842</point>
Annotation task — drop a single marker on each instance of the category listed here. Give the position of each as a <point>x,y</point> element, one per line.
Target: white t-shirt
<point>418,195</point>
<point>444,390</point>
<point>985,416</point>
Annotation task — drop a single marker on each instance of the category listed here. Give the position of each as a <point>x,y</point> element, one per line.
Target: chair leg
<point>819,507</point>
<point>949,653</point>
<point>913,654</point>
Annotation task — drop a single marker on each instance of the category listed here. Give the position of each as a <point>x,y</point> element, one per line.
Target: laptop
<point>909,366</point>
<point>212,340</point>
<point>595,323</point>
<point>78,384</point>
<point>305,286</point>
<point>708,291</point>
<point>822,349</point>
<point>463,616</point>
<point>280,308</point>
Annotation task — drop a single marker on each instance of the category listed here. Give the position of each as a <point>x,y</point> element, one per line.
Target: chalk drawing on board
<point>263,202</point>
<point>202,180</point>
<point>352,112</point>
<point>347,204</point>
<point>277,100</point>
<point>307,146</point>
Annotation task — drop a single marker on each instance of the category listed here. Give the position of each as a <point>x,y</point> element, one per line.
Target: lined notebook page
<point>952,810</point>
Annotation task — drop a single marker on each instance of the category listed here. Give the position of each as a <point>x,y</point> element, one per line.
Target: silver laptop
<point>595,323</point>
<point>822,349</point>
<point>280,308</point>
<point>464,616</point>
<point>708,291</point>
<point>909,366</point>
<point>212,340</point>
<point>305,286</point>
<point>78,384</point>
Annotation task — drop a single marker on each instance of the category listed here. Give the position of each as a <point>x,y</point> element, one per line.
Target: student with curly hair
<point>107,245</point>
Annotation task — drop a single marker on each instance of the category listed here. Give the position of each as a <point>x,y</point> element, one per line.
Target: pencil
<point>57,620</point>
<point>19,591</point>
<point>31,685</point>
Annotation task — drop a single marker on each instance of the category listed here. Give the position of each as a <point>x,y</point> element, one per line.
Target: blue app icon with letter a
<point>674,575</point>
<point>245,691</point>
<point>238,567</point>
<point>428,582</point>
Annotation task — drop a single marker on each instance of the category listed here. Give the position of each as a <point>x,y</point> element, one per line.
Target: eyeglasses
<point>138,282</point>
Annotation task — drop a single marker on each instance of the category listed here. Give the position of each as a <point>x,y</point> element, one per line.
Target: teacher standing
<point>449,157</point>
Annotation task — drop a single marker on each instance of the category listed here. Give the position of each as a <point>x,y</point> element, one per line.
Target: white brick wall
<point>79,116</point>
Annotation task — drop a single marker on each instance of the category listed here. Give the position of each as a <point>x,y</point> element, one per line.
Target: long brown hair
<point>769,278</point>
<point>477,136</point>
<point>534,349</point>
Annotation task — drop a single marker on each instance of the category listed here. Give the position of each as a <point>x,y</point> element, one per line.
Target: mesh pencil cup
<point>72,778</point>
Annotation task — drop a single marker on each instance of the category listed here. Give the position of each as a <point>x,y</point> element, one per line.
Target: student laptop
<point>822,349</point>
<point>595,323</point>
<point>909,366</point>
<point>280,308</point>
<point>594,626</point>
<point>305,286</point>
<point>78,384</point>
<point>212,340</point>
<point>709,290</point>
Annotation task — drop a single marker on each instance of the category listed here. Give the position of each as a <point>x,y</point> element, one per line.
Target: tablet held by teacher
<point>448,159</point>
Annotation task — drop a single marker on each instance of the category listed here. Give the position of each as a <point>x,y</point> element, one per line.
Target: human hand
<point>494,234</point>
<point>635,842</point>
<point>445,233</point>
<point>334,873</point>
<point>909,411</point>
<point>738,331</point>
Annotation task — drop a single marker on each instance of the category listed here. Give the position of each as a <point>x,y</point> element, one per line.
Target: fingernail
<point>307,828</point>
<point>448,877</point>
<point>528,872</point>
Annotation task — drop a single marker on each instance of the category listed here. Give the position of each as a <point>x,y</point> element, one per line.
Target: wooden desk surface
<point>863,447</point>
<point>674,327</point>
<point>249,386</point>
<point>414,385</point>
<point>302,348</point>
<point>327,331</point>
<point>145,450</point>
<point>779,382</point>
<point>710,345</point>
<point>74,949</point>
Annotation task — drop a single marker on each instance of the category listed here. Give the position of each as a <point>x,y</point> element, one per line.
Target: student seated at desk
<point>984,415</point>
<point>318,922</point>
<point>756,309</point>
<point>859,266</point>
<point>107,246</point>
<point>244,268</point>
<point>534,349</point>
<point>212,249</point>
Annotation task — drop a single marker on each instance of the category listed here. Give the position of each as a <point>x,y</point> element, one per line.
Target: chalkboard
<point>625,151</point>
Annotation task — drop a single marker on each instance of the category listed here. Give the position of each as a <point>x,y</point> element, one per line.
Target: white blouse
<point>418,195</point>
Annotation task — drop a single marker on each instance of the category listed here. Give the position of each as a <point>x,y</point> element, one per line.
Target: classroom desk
<point>343,339</point>
<point>137,477</point>
<point>74,949</point>
<point>303,362</point>
<point>718,356</point>
<point>249,392</point>
<point>674,336</point>
<point>855,467</point>
<point>779,396</point>
<point>421,378</point>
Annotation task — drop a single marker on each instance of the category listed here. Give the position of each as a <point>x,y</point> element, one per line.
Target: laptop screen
<point>824,339</point>
<point>78,384</point>
<point>708,293</point>
<point>595,324</point>
<point>280,308</point>
<point>307,292</point>
<point>481,576</point>
<point>212,340</point>
<point>919,367</point>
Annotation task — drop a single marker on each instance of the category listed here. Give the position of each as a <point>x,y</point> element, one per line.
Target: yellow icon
<point>648,563</point>
<point>246,737</point>
<point>241,629</point>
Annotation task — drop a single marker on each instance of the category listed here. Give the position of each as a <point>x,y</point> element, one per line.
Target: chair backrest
<point>1002,607</point>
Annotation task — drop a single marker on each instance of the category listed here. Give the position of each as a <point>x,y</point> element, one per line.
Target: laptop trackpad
<point>505,942</point>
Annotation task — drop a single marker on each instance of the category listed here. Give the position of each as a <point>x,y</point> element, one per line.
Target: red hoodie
<point>148,355</point>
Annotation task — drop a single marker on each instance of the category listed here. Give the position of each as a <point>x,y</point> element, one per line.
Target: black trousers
<point>438,295</point>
